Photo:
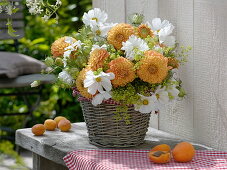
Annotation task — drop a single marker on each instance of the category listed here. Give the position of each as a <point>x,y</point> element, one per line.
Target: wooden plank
<point>177,117</point>
<point>115,9</point>
<point>4,34</point>
<point>18,16</point>
<point>16,24</point>
<point>210,78</point>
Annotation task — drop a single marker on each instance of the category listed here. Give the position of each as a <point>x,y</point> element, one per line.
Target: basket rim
<point>80,98</point>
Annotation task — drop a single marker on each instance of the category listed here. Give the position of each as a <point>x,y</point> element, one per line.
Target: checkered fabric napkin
<point>138,160</point>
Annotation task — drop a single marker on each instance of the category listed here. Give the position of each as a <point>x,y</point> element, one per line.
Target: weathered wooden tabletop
<point>50,148</point>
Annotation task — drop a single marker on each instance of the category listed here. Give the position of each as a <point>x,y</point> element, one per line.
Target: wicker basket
<point>105,131</point>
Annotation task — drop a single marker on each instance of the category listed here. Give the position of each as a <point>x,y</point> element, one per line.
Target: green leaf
<point>10,29</point>
<point>4,3</point>
<point>43,47</point>
<point>38,40</point>
<point>15,10</point>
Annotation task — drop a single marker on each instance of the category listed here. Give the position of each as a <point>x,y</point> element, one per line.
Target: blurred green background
<point>39,35</point>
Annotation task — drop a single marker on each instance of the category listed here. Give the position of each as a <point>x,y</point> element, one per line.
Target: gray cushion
<point>26,80</point>
<point>15,64</point>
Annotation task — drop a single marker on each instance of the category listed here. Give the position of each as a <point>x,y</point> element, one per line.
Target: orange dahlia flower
<point>97,59</point>
<point>118,34</point>
<point>58,47</point>
<point>123,70</point>
<point>80,84</point>
<point>153,68</point>
<point>143,31</point>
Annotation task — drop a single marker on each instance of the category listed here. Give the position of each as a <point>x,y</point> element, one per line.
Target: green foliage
<point>11,31</point>
<point>39,35</point>
<point>126,94</point>
<point>6,150</point>
<point>121,113</point>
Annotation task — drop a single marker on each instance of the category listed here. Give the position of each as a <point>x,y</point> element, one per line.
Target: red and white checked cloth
<point>138,160</point>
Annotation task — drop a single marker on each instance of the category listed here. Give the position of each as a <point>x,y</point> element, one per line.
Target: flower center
<point>124,73</point>
<point>145,31</point>
<point>153,69</point>
<point>98,32</point>
<point>145,102</point>
<point>119,37</point>
<point>98,79</point>
<point>95,19</point>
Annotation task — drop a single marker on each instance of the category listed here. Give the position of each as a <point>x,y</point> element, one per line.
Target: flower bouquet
<point>121,72</point>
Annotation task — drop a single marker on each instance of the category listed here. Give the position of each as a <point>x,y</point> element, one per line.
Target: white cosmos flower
<point>9,9</point>
<point>163,29</point>
<point>94,17</point>
<point>165,32</point>
<point>161,95</point>
<point>100,97</point>
<point>58,2</point>
<point>132,44</point>
<point>96,83</point>
<point>101,30</point>
<point>68,50</point>
<point>95,46</point>
<point>148,104</point>
<point>157,24</point>
<point>173,91</point>
<point>66,77</point>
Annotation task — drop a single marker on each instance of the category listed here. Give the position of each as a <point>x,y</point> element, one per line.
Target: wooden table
<point>49,149</point>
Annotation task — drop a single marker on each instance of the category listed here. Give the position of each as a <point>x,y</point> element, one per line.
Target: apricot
<point>38,129</point>
<point>162,147</point>
<point>50,124</point>
<point>183,152</point>
<point>58,118</point>
<point>64,125</point>
<point>160,157</point>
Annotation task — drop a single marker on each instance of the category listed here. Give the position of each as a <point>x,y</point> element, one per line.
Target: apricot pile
<point>59,122</point>
<point>182,152</point>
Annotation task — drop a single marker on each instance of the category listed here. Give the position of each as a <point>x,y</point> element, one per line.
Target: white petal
<point>93,89</point>
<point>111,76</point>
<point>97,99</point>
<point>90,73</point>
<point>162,39</point>
<point>156,24</point>
<point>145,109</point>
<point>164,23</point>
<point>174,91</point>
<point>166,30</point>
<point>170,41</point>
<point>67,53</point>
<point>69,40</point>
<point>106,84</point>
<point>100,89</point>
<point>105,29</point>
<point>164,97</point>
<point>107,95</point>
<point>88,82</point>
